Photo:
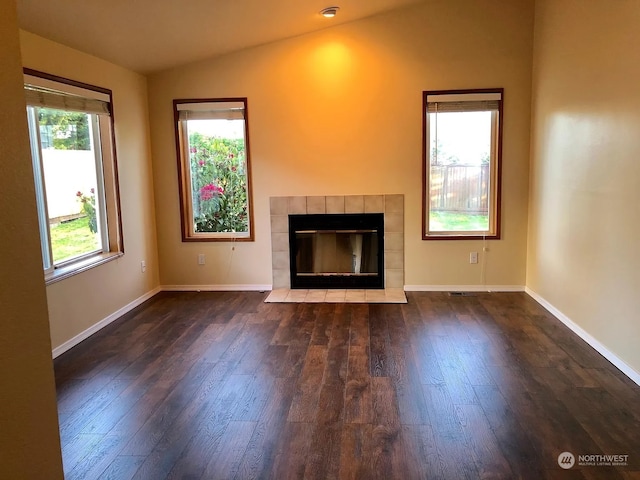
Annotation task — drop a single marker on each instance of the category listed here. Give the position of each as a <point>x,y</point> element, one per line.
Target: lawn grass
<point>72,238</point>
<point>456,222</point>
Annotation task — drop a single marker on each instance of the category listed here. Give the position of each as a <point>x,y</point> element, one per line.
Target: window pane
<point>459,171</point>
<point>69,166</point>
<point>218,171</point>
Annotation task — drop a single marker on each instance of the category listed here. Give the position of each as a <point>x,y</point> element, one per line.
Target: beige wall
<point>584,228</point>
<point>29,439</point>
<point>79,302</point>
<point>338,112</point>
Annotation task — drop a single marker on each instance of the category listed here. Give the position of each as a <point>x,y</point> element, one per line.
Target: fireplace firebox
<point>337,250</point>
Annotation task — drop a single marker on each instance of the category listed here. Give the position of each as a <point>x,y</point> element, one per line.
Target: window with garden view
<point>214,170</point>
<point>70,130</point>
<point>462,150</point>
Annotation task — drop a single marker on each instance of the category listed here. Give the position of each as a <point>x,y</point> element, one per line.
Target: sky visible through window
<point>462,138</point>
<point>232,129</point>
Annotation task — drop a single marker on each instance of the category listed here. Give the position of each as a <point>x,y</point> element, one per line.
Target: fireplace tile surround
<point>392,206</point>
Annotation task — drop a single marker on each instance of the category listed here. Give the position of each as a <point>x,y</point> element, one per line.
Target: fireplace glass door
<point>336,251</point>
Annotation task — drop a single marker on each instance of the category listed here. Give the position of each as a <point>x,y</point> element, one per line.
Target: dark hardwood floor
<point>221,385</point>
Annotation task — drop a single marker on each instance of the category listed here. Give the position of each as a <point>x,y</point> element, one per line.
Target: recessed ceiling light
<point>329,12</point>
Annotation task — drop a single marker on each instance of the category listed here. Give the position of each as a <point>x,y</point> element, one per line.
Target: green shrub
<point>218,183</point>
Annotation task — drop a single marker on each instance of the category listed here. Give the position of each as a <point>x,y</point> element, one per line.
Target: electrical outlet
<point>143,266</point>
<point>473,257</point>
<point>201,260</point>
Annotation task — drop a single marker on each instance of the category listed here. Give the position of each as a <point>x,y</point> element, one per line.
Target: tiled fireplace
<point>391,206</point>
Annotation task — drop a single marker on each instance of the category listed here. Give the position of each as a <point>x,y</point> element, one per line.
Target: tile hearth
<point>388,295</point>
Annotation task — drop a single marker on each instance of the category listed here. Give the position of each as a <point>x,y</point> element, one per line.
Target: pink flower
<point>193,149</point>
<point>210,190</point>
<point>92,190</point>
<point>201,163</point>
<point>79,193</point>
<point>231,155</point>
<point>234,169</point>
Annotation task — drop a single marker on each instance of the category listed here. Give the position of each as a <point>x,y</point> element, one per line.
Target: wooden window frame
<point>494,231</point>
<point>184,176</point>
<point>108,183</point>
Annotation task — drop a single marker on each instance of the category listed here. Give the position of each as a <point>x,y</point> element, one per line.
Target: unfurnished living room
<point>391,239</point>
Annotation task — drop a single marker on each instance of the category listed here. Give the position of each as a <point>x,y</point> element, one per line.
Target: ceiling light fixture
<point>329,12</point>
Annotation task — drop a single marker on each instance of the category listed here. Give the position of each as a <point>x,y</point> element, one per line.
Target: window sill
<point>244,237</point>
<point>80,266</point>
<point>472,236</point>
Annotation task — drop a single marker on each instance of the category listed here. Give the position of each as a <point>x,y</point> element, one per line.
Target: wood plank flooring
<point>219,385</point>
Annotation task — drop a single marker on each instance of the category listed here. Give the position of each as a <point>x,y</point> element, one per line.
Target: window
<point>214,171</point>
<point>461,150</point>
<point>74,165</point>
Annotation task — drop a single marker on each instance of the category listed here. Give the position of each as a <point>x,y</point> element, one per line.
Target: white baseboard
<point>578,330</point>
<point>464,288</point>
<point>216,288</point>
<point>103,323</point>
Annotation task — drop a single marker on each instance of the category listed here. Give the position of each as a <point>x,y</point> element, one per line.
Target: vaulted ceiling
<point>152,35</point>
